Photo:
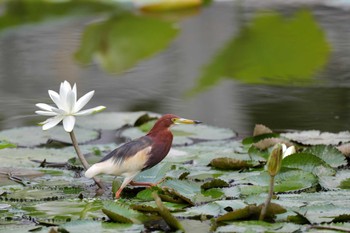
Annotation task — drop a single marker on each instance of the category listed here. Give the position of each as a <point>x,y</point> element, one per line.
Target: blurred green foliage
<point>271,49</point>
<point>123,40</point>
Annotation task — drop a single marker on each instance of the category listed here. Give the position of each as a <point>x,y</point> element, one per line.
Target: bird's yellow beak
<point>178,121</point>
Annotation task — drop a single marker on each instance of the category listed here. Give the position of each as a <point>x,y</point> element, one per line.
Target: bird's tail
<point>93,171</point>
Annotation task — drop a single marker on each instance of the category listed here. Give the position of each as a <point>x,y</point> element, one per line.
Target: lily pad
<point>329,154</point>
<point>17,175</point>
<point>292,180</point>
<point>259,226</point>
<point>22,157</point>
<point>112,120</point>
<point>316,137</point>
<point>122,213</point>
<point>34,136</point>
<point>252,212</point>
<point>308,162</point>
<point>231,164</point>
<point>95,226</point>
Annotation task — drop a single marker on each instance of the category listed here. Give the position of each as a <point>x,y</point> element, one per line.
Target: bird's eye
<point>173,120</point>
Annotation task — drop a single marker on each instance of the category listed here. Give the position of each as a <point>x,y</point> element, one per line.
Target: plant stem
<point>82,158</point>
<point>268,199</point>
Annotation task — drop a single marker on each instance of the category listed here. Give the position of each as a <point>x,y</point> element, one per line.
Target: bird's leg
<point>126,181</point>
<point>147,184</point>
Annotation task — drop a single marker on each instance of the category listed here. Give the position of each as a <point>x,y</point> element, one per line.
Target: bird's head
<point>168,120</point>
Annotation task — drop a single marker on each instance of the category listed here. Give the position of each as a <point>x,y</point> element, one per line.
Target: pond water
<point>229,64</point>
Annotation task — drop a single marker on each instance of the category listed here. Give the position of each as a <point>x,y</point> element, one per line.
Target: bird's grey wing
<point>128,149</point>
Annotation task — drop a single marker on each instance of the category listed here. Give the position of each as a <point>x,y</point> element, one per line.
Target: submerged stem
<point>82,158</point>
<point>268,199</point>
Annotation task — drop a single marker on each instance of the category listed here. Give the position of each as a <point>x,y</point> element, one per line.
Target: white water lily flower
<point>68,107</point>
<point>287,151</point>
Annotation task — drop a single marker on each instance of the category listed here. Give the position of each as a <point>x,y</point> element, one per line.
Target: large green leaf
<point>122,213</point>
<point>270,50</point>
<point>292,180</point>
<point>123,40</point>
<point>308,162</point>
<point>329,154</point>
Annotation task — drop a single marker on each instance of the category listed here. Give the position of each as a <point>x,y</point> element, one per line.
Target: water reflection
<point>37,58</point>
<point>119,42</point>
<point>271,49</point>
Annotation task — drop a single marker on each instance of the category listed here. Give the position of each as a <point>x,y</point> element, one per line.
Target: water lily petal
<point>56,98</point>
<point>68,123</point>
<point>71,99</point>
<point>64,89</point>
<point>59,111</point>
<point>45,107</point>
<point>290,150</point>
<point>46,113</point>
<point>74,89</point>
<point>83,101</point>
<point>90,111</point>
<point>51,122</point>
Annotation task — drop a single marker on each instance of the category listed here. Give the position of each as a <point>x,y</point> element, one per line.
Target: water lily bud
<point>275,160</point>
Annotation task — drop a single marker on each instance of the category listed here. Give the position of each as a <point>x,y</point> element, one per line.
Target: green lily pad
<point>329,154</point>
<point>34,135</point>
<point>252,212</point>
<point>122,213</point>
<point>112,120</point>
<point>231,164</point>
<point>292,180</point>
<point>187,190</point>
<point>308,162</point>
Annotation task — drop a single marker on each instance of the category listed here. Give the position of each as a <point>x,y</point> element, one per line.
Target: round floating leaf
<point>308,162</point>
<point>329,154</point>
<point>259,226</point>
<point>215,183</point>
<point>96,226</point>
<point>231,164</point>
<point>210,209</point>
<point>345,184</point>
<point>252,212</point>
<point>22,157</point>
<point>17,175</point>
<point>122,213</point>
<point>186,190</point>
<point>315,137</point>
<point>34,135</point>
<point>112,120</point>
<point>292,180</point>
<point>155,174</point>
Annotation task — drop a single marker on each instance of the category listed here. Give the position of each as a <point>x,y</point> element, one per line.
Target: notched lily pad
<point>123,213</point>
<point>315,137</point>
<point>34,136</point>
<point>252,212</point>
<point>17,175</point>
<point>329,154</point>
<point>215,183</point>
<point>231,164</point>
